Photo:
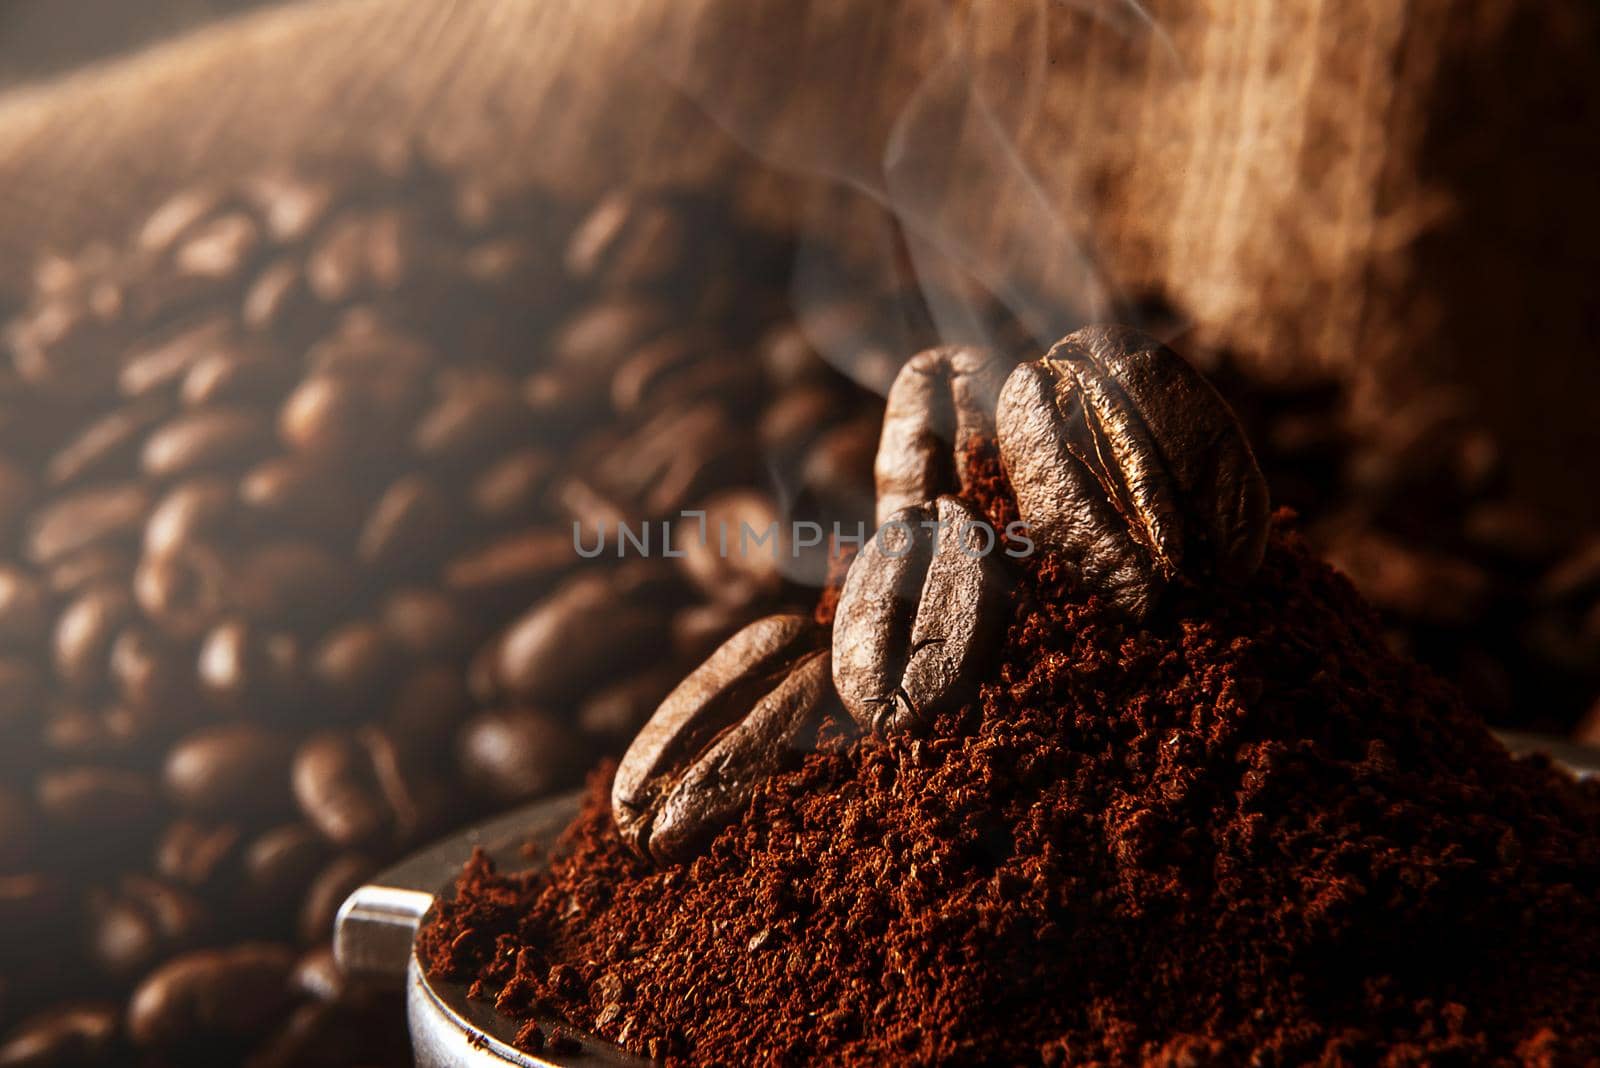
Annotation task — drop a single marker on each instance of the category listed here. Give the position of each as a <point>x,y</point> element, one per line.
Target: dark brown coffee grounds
<point>1242,832</point>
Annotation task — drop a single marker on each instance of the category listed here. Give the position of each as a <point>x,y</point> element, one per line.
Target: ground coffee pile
<point>1243,831</point>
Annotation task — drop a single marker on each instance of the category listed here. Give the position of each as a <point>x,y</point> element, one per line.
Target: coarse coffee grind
<point>1240,831</point>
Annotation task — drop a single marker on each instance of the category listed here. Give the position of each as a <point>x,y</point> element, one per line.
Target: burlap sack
<point>1398,193</point>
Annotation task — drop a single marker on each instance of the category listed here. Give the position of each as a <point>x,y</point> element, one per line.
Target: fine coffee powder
<point>1241,830</point>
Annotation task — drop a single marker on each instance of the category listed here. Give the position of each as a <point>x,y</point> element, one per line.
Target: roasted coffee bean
<point>513,486</point>
<point>234,376</point>
<point>628,240</point>
<point>207,438</point>
<point>289,583</point>
<point>102,449</point>
<point>352,786</point>
<point>942,401</point>
<point>335,882</point>
<point>353,669</point>
<point>427,623</point>
<point>729,725</point>
<point>279,299</point>
<point>198,855</point>
<point>213,995</point>
<point>733,551</point>
<point>1413,584</point>
<point>242,666</point>
<point>512,566</point>
<point>76,1036</point>
<point>560,645</point>
<point>675,455</point>
<point>303,492</point>
<point>279,865</point>
<point>476,416</point>
<point>24,608</point>
<point>615,712</point>
<point>155,367</point>
<point>361,254</point>
<point>428,704</point>
<point>148,673</point>
<point>515,754</point>
<point>192,513</point>
<point>333,417</point>
<point>600,335</point>
<point>96,804</point>
<point>83,637</point>
<point>87,518</point>
<point>407,528</point>
<point>17,831</point>
<point>90,569</point>
<point>140,922</point>
<point>1123,458</point>
<point>291,205</point>
<point>921,609</point>
<point>794,419</point>
<point>22,689</point>
<point>183,593</point>
<point>238,769</point>
<point>317,975</point>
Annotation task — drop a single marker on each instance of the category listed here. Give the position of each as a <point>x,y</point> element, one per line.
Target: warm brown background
<point>1400,193</point>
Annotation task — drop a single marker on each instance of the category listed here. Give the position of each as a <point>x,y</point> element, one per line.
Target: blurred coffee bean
<point>192,512</point>
<point>103,448</point>
<point>795,418</point>
<point>291,205</point>
<point>278,866</point>
<point>83,636</point>
<point>304,492</point>
<point>157,366</point>
<point>279,299</point>
<point>408,526</point>
<point>197,854</point>
<point>427,705</point>
<point>17,831</point>
<point>219,248</point>
<point>22,690</point>
<point>183,593</point>
<point>234,376</point>
<point>552,651</point>
<point>317,975</point>
<point>352,786</point>
<point>674,456</point>
<point>361,253</point>
<point>327,892</point>
<point>238,769</point>
<point>147,673</point>
<point>353,669</point>
<point>514,754</point>
<point>213,995</point>
<point>603,333</point>
<point>96,804</point>
<point>24,608</point>
<point>75,1036</point>
<point>513,486</point>
<point>615,712</point>
<point>89,569</point>
<point>1414,584</point>
<point>512,566</point>
<point>289,583</point>
<point>426,623</point>
<point>206,438</point>
<point>330,416</point>
<point>140,922</point>
<point>85,518</point>
<point>475,416</point>
<point>243,666</point>
<point>628,240</point>
<point>733,552</point>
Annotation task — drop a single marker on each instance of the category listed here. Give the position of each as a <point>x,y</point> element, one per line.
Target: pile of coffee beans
<point>289,579</point>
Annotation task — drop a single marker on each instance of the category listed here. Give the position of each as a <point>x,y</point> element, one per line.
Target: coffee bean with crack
<point>733,722</point>
<point>1123,458</point>
<point>919,613</point>
<point>942,400</point>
